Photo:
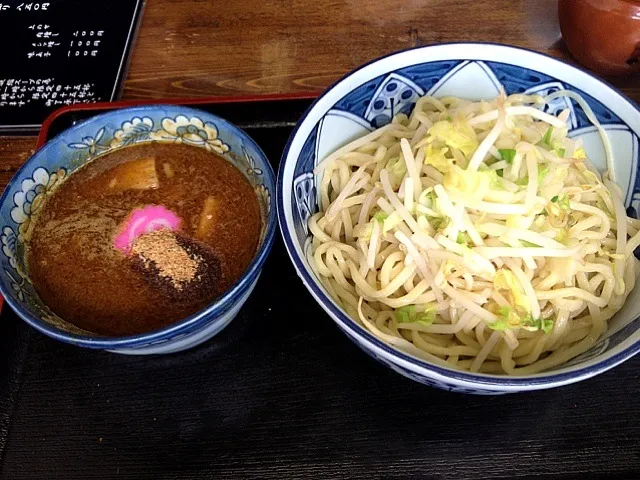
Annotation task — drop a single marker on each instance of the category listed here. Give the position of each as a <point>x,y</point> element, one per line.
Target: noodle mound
<point>476,235</point>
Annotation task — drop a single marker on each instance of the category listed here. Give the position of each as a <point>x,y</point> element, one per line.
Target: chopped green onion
<point>408,314</point>
<point>502,323</point>
<point>463,238</point>
<point>507,154</point>
<point>381,216</point>
<point>514,317</point>
<point>498,325</point>
<point>427,317</point>
<point>562,235</point>
<point>530,323</point>
<point>403,314</point>
<point>542,172</point>
<point>500,173</point>
<point>437,222</point>
<point>547,136</point>
<point>528,244</point>
<point>562,201</point>
<point>536,324</point>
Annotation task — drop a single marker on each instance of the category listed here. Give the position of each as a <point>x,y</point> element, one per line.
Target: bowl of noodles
<point>466,214</point>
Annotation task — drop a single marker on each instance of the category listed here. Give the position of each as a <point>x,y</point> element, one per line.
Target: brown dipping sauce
<point>79,274</point>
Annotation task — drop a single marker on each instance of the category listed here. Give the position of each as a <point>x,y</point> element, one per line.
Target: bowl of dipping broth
<point>466,214</point>
<point>139,231</point>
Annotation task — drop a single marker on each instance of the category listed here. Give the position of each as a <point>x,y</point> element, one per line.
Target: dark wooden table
<point>281,393</point>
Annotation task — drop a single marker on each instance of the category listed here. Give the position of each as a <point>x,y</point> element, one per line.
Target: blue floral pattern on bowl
<point>45,171</point>
<point>369,97</point>
<point>132,131</point>
<point>190,131</point>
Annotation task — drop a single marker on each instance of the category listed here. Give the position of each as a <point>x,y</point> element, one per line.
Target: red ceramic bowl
<point>603,35</point>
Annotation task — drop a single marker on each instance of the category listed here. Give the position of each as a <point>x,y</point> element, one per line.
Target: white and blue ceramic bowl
<point>371,95</point>
<point>80,144</point>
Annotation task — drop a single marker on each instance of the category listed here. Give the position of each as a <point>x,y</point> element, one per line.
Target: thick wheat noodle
<point>467,259</point>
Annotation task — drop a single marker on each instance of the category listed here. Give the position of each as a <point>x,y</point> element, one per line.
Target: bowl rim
<point>193,322</point>
<point>363,335</point>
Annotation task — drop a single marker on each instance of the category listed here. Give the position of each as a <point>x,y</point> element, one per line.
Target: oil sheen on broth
<point>86,281</point>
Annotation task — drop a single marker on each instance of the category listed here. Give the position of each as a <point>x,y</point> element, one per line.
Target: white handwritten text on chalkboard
<point>27,7</point>
<point>61,52</point>
<point>20,92</point>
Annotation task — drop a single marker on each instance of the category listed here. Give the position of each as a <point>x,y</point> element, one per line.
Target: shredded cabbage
<point>456,134</point>
<point>506,280</point>
<point>437,158</point>
<point>469,185</point>
<point>397,170</point>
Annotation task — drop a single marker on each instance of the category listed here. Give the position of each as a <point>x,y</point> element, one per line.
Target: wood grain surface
<point>197,48</point>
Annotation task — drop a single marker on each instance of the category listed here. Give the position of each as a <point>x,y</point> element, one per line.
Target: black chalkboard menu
<point>60,52</point>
